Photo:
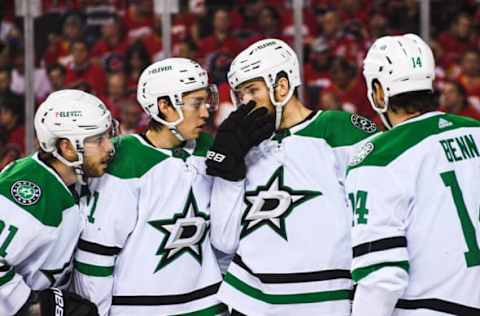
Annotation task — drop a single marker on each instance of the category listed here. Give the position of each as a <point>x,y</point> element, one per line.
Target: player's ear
<point>281,89</point>
<point>66,149</point>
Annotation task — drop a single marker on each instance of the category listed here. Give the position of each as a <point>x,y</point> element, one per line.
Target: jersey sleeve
<point>111,216</point>
<point>19,242</point>
<point>226,204</point>
<point>380,206</point>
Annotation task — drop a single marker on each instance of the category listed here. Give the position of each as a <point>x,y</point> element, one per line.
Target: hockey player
<point>40,217</point>
<point>146,249</point>
<point>280,207</point>
<point>414,191</point>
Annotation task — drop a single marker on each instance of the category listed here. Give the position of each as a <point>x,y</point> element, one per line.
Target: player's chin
<point>97,171</point>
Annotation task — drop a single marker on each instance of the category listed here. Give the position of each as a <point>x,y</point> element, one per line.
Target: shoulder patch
<point>364,151</point>
<point>363,123</point>
<point>26,192</point>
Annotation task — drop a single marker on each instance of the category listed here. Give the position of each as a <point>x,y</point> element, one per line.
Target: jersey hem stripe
<point>93,270</point>
<point>360,273</point>
<point>152,300</point>
<point>97,248</point>
<point>314,297</point>
<point>379,245</point>
<point>275,278</point>
<point>439,306</point>
<point>209,311</point>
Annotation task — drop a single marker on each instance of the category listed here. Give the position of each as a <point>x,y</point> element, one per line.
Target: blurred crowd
<point>102,46</point>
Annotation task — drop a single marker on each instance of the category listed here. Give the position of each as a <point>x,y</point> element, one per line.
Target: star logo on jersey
<point>26,192</point>
<point>184,233</point>
<point>57,277</point>
<point>271,204</point>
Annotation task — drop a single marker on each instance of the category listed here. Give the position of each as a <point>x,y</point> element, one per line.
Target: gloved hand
<point>242,130</point>
<point>53,302</point>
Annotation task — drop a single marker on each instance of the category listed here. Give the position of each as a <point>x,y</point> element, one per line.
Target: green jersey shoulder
<point>339,128</point>
<point>36,189</point>
<point>388,146</point>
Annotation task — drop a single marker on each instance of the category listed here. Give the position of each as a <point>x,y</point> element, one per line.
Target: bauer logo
<point>160,69</point>
<point>68,114</point>
<point>26,192</point>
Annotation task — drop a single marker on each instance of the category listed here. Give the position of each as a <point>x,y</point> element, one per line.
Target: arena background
<point>101,46</point>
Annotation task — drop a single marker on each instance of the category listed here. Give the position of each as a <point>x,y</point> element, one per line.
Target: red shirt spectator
<point>81,73</point>
<point>453,99</point>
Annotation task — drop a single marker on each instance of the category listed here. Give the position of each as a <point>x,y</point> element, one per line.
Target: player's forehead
<point>196,94</point>
<point>253,83</point>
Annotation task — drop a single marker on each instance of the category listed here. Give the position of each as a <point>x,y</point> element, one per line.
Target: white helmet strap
<point>76,165</point>
<point>172,126</point>
<point>279,105</point>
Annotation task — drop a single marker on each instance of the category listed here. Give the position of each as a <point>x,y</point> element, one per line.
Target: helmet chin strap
<point>279,106</point>
<point>76,165</point>
<point>176,133</point>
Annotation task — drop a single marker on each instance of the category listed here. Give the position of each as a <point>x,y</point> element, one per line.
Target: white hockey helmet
<point>266,59</point>
<point>71,114</point>
<point>401,64</point>
<point>172,77</point>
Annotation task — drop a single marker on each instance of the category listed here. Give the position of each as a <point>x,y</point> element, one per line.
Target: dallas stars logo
<point>26,192</point>
<point>271,204</point>
<point>183,234</point>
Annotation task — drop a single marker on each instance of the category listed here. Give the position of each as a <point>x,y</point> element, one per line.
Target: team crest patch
<point>26,192</point>
<point>366,149</point>
<point>363,123</point>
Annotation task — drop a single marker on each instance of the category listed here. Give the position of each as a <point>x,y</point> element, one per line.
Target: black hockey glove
<point>242,130</point>
<point>53,301</point>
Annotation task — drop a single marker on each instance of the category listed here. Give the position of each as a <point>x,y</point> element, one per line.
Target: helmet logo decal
<point>26,192</point>
<point>160,69</point>
<point>68,114</point>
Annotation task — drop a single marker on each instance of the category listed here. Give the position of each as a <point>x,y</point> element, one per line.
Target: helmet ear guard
<point>266,59</point>
<point>400,64</point>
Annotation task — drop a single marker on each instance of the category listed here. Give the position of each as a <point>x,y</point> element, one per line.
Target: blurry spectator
<point>4,55</point>
<point>458,39</point>
<point>330,101</point>
<point>185,49</point>
<point>56,76</point>
<point>41,85</point>
<point>12,130</point>
<point>377,26</point>
<point>59,48</point>
<point>218,66</point>
<point>470,76</point>
<point>221,39</point>
<point>317,71</point>
<point>130,117</point>
<point>82,73</point>
<point>340,43</point>
<point>453,99</point>
<point>98,13</point>
<point>9,153</point>
<point>136,59</point>
<point>116,92</point>
<point>139,18</point>
<point>112,40</point>
<point>5,84</point>
<point>350,87</point>
<point>153,41</point>
<point>269,25</point>
<point>403,16</point>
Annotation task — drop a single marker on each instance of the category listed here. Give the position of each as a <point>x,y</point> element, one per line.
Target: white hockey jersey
<point>40,224</point>
<point>415,194</point>
<point>146,248</point>
<point>288,221</point>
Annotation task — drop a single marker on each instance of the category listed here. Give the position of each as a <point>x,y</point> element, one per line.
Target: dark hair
<point>136,48</point>
<point>416,101</point>
<point>157,126</point>
<point>14,104</point>
<point>56,66</point>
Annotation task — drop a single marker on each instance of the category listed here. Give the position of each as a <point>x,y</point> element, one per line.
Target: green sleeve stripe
<point>93,270</point>
<point>314,297</point>
<point>360,273</point>
<point>209,311</point>
<point>7,277</point>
